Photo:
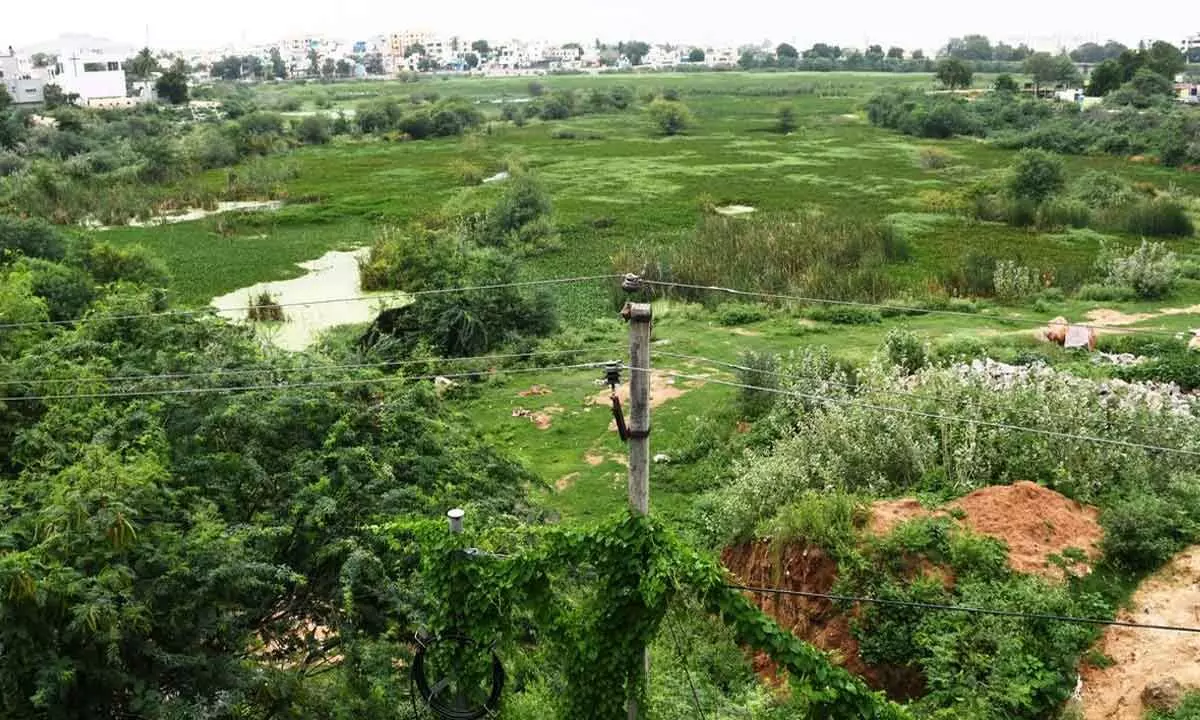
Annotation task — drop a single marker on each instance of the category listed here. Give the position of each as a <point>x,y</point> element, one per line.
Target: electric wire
<point>308,303</point>
<point>286,386</point>
<point>235,372</point>
<point>930,415</point>
<point>900,308</point>
<point>962,608</point>
<point>687,670</point>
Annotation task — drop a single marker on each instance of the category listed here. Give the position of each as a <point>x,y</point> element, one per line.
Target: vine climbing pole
<point>639,316</point>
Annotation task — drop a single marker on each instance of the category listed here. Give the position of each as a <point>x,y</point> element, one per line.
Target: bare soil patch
<point>663,388</point>
<point>1170,597</point>
<point>535,391</point>
<point>566,481</point>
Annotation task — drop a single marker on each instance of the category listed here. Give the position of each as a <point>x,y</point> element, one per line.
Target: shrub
<point>1143,530</point>
<point>844,315</point>
<point>934,158</point>
<point>1013,282</point>
<point>671,117</point>
<point>468,173</point>
<point>622,97</point>
<point>67,290</point>
<point>1099,189</point>
<point>1162,217</point>
<point>11,163</point>
<point>315,130</point>
<point>825,520</point>
<point>1036,175</point>
<point>265,308</point>
<point>760,370</point>
<point>523,202</point>
<point>1100,292</point>
<point>785,120</point>
<point>1063,213</point>
<point>905,350</point>
<point>30,238</point>
<point>731,314</point>
<point>536,89</point>
<point>108,264</point>
<point>1151,270</point>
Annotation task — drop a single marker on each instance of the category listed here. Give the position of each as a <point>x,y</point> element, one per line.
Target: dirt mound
<point>1143,657</point>
<point>1035,522</point>
<point>817,621</point>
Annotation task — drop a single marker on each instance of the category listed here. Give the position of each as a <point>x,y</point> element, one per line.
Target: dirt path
<point>1105,317</point>
<point>1170,597</point>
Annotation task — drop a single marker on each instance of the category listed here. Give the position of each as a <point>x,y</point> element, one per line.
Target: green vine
<point>596,598</point>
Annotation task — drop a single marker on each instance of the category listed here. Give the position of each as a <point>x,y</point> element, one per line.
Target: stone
<point>1194,343</point>
<point>661,458</point>
<point>1056,331</point>
<point>1163,695</point>
<point>1079,336</point>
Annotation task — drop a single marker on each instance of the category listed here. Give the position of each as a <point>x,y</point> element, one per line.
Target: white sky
<point>211,23</point>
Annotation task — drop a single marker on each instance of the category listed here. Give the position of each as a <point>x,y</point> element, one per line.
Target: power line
<point>222,372</point>
<point>308,303</point>
<point>898,308</point>
<point>687,670</point>
<point>938,416</point>
<point>962,608</point>
<point>284,386</point>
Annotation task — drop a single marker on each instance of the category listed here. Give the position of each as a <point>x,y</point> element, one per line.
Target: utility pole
<point>639,316</point>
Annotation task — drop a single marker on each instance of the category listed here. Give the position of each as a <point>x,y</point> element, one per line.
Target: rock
<point>1056,331</point>
<point>441,383</point>
<point>1194,343</point>
<point>1079,336</point>
<point>661,458</point>
<point>1163,695</point>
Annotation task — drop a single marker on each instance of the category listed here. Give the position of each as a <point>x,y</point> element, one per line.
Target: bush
<point>731,314</point>
<point>1143,530</point>
<point>67,290</point>
<point>760,370</point>
<point>108,264</point>
<point>844,315</point>
<point>671,117</point>
<point>1099,189</point>
<point>1162,217</point>
<point>905,350</point>
<point>934,158</point>
<point>1036,175</point>
<point>265,308</point>
<point>826,520</point>
<point>1063,213</point>
<point>536,89</point>
<point>1151,270</point>
<point>785,120</point>
<point>523,203</point>
<point>1014,282</point>
<point>1100,292</point>
<point>315,130</point>
<point>29,238</point>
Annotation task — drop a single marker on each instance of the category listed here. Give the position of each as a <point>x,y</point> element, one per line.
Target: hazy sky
<point>210,23</point>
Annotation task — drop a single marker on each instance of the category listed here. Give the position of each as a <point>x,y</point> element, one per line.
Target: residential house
<point>24,85</point>
<point>1188,93</point>
<point>1190,43</point>
<point>94,74</point>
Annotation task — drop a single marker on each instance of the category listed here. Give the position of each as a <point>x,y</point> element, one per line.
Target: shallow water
<point>502,175</point>
<point>334,275</point>
<point>735,210</point>
<point>189,214</point>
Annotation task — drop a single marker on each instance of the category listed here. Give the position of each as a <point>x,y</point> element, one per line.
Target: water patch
<point>189,214</point>
<point>502,175</point>
<point>334,275</point>
<point>734,210</point>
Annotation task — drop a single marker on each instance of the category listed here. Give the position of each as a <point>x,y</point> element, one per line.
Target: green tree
<point>172,86</point>
<point>142,65</point>
<point>344,68</point>
<point>472,60</point>
<point>954,73</point>
<point>374,63</point>
<point>1165,59</point>
<point>1036,175</point>
<point>670,116</point>
<point>696,55</point>
<point>1047,69</point>
<point>918,54</point>
<point>895,53</point>
<point>822,50</point>
<point>54,97</point>
<point>971,47</point>
<point>414,49</point>
<point>6,100</point>
<point>314,129</point>
<point>786,51</point>
<point>328,68</point>
<point>278,66</point>
<point>1005,83</point>
<point>1105,78</point>
<point>41,60</point>
<point>481,47</point>
<point>635,50</point>
<point>314,64</point>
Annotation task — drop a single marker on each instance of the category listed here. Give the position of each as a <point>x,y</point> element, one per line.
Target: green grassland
<point>619,185</point>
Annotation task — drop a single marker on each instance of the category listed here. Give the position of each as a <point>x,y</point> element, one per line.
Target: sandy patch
<point>1105,317</point>
<point>534,391</point>
<point>542,419</point>
<point>663,388</point>
<point>596,459</point>
<point>745,333</point>
<point>1033,521</point>
<point>566,481</point>
<point>1169,597</point>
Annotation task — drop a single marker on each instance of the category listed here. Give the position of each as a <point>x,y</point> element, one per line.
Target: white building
<point>660,57</point>
<point>95,75</point>
<point>1192,42</point>
<point>24,85</point>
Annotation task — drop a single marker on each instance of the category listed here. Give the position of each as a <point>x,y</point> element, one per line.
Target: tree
<point>5,99</point>
<point>821,50</point>
<point>142,65</point>
<point>481,47</point>
<point>54,97</point>
<point>344,68</point>
<point>918,54</point>
<point>1105,78</point>
<point>671,116</point>
<point>328,68</point>
<point>1165,59</point>
<point>374,64</point>
<point>786,51</point>
<point>696,55</point>
<point>1005,83</point>
<point>970,47</point>
<point>41,60</point>
<point>954,73</point>
<point>414,49</point>
<point>314,129</point>
<point>1193,55</point>
<point>785,120</point>
<point>314,63</point>
<point>1036,175</point>
<point>895,53</point>
<point>278,66</point>
<point>472,60</point>
<point>875,53</point>
<point>635,50</point>
<point>1048,69</point>
<point>172,86</point>
<point>1090,53</point>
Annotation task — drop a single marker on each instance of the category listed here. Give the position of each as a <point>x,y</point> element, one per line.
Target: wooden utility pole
<point>639,316</point>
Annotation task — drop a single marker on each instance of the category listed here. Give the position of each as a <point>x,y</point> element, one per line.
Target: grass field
<point>624,186</point>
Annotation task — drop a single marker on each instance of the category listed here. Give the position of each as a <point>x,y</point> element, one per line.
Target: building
<point>24,85</point>
<point>94,74</point>
<point>1190,44</point>
<point>1188,93</point>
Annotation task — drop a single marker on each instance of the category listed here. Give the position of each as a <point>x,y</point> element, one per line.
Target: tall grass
<point>797,254</point>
